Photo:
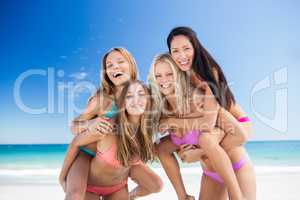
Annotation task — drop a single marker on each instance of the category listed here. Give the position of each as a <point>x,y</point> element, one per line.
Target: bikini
<point>192,137</point>
<point>109,156</point>
<point>109,114</point>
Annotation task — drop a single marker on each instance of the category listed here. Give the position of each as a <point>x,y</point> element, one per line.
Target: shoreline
<point>270,186</point>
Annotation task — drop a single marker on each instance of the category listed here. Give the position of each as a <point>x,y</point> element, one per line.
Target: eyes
<point>110,65</point>
<point>140,94</point>
<point>174,51</point>
<point>169,74</point>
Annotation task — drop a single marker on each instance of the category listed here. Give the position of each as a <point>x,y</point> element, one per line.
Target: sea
<point>41,163</point>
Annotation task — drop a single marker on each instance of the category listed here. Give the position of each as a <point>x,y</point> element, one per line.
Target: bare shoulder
<point>95,107</point>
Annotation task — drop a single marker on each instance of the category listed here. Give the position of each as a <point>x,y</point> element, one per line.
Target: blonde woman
<point>177,97</point>
<point>119,67</point>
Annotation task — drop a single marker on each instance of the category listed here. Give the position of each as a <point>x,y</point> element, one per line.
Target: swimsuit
<point>236,166</point>
<point>109,156</point>
<point>110,114</point>
<point>192,138</point>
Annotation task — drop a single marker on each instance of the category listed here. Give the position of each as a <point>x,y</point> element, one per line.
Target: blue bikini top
<point>110,114</point>
<point>113,111</point>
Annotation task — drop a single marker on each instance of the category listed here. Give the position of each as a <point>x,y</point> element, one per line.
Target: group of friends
<point>187,109</point>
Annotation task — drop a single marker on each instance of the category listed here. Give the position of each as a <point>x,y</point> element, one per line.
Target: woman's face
<point>164,77</point>
<point>117,68</point>
<point>182,51</point>
<point>136,100</point>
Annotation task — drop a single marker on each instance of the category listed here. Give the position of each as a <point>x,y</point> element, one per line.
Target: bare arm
<point>236,133</point>
<point>210,107</point>
<point>94,108</point>
<point>84,138</point>
<point>237,111</point>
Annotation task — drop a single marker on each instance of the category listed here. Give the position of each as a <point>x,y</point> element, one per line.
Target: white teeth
<point>183,62</point>
<point>165,85</point>
<point>117,74</point>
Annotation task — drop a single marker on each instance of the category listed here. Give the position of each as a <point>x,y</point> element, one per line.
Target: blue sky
<point>256,43</point>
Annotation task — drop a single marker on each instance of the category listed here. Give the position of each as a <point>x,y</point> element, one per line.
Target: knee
<point>75,194</point>
<point>207,141</point>
<point>157,185</point>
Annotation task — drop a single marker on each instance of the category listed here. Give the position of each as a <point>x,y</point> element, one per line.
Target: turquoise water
<point>279,153</point>
<point>43,162</point>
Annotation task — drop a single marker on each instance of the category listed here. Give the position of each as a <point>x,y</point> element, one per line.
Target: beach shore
<point>271,185</point>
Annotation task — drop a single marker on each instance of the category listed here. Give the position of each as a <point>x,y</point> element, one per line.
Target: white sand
<point>271,186</point>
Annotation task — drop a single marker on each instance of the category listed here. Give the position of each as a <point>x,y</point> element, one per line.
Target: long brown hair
<point>106,83</point>
<point>131,143</point>
<point>107,88</point>
<point>205,65</point>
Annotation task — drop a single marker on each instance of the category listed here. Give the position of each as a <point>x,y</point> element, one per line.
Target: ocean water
<point>41,163</point>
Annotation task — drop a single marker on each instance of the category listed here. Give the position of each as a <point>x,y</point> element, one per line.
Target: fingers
<point>105,121</point>
<point>186,147</point>
<point>104,128</point>
<point>101,126</point>
<point>182,156</point>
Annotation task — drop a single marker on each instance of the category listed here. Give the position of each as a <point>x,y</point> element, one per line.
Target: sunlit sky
<point>61,44</point>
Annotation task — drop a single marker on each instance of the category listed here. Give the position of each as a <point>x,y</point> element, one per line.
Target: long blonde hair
<point>106,84</point>
<point>107,88</point>
<point>133,144</point>
<point>160,105</point>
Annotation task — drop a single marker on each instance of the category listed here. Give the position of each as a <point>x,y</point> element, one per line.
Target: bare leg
<point>148,182</point>
<point>119,195</point>
<point>170,164</point>
<point>212,190</point>
<point>246,174</point>
<point>77,178</point>
<point>91,196</point>
<point>221,162</point>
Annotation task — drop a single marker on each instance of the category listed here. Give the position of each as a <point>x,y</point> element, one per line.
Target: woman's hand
<point>190,153</point>
<point>101,125</point>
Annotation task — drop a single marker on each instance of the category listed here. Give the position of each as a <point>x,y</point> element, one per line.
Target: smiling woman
<point>125,149</point>
<point>45,43</point>
<point>116,62</point>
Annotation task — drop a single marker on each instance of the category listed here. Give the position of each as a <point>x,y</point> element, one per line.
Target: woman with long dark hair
<point>192,58</point>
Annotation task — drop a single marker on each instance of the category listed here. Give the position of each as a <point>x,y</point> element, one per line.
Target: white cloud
<point>79,75</point>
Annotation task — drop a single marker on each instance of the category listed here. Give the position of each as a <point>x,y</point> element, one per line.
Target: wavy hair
<point>182,88</point>
<point>134,143</point>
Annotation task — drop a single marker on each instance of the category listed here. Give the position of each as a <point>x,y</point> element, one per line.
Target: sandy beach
<point>275,184</point>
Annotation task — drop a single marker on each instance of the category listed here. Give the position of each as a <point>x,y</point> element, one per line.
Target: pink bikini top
<point>244,119</point>
<point>110,157</point>
<point>191,137</point>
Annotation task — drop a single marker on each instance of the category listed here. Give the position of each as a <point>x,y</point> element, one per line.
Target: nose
<point>115,66</point>
<point>163,79</point>
<point>182,55</point>
<point>135,100</point>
